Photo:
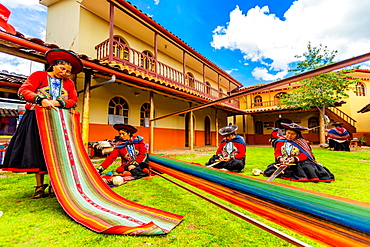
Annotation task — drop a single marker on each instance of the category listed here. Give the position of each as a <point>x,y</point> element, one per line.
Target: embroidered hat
<point>122,126</point>
<point>293,126</point>
<point>337,124</point>
<point>228,130</point>
<point>4,16</point>
<point>54,54</point>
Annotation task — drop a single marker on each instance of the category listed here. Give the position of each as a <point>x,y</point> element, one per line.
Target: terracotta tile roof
<point>366,108</point>
<point>12,77</point>
<point>8,112</point>
<point>38,55</point>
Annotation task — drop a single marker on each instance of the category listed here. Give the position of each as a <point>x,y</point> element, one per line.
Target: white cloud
<point>156,2</point>
<point>272,42</point>
<point>30,4</point>
<point>230,71</point>
<point>263,74</point>
<point>17,65</point>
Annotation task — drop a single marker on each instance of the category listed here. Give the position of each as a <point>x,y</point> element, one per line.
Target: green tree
<point>320,91</point>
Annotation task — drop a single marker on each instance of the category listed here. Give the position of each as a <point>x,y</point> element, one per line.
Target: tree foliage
<point>319,91</point>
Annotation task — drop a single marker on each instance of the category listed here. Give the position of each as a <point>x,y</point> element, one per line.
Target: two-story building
<point>264,113</point>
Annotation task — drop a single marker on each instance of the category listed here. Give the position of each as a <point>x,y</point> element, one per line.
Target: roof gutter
<point>43,49</point>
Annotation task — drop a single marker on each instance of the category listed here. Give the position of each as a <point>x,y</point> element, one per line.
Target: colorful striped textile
<point>80,190</point>
<point>328,219</point>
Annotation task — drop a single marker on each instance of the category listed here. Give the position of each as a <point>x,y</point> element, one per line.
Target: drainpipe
<point>113,79</point>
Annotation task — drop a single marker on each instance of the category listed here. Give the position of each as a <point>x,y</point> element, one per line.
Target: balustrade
<point>134,59</point>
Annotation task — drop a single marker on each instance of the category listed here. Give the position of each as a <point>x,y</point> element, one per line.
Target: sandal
<point>51,191</point>
<point>39,191</point>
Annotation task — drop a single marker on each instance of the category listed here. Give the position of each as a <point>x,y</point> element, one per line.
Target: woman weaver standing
<point>49,89</point>
<point>294,150</point>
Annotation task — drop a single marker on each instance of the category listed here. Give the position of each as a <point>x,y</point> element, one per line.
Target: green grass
<point>42,222</point>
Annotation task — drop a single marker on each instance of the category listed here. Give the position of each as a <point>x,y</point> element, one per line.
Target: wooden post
<point>86,110</point>
<point>244,134</point>
<point>156,51</point>
<point>151,123</point>
<point>322,128</point>
<point>216,127</point>
<point>191,136</point>
<point>111,31</point>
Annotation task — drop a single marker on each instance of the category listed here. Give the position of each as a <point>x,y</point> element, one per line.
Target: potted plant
<point>362,141</point>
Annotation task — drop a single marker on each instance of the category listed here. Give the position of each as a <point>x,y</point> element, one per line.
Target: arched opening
<point>258,128</point>
<point>360,89</point>
<point>313,125</point>
<point>257,101</point>
<point>145,115</point>
<point>190,79</point>
<point>117,111</point>
<point>147,61</point>
<point>120,49</point>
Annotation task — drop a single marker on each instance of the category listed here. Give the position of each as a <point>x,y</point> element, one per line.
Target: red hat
<point>293,126</point>
<point>4,16</point>
<point>337,124</point>
<point>55,54</point>
<point>228,130</point>
<point>122,126</point>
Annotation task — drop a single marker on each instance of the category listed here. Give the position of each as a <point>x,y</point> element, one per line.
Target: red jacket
<point>280,152</point>
<point>238,143</point>
<point>37,87</point>
<point>126,158</point>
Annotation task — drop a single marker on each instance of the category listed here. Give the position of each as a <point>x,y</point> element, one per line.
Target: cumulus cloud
<point>230,70</point>
<point>17,65</point>
<point>29,4</point>
<point>272,42</point>
<point>156,2</point>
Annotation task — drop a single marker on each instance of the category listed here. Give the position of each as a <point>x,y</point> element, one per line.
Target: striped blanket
<point>80,190</point>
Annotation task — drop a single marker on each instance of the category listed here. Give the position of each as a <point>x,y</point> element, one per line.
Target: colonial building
<point>136,71</point>
<point>155,70</point>
<point>264,113</point>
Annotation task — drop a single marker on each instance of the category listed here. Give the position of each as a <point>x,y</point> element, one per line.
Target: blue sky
<point>253,40</point>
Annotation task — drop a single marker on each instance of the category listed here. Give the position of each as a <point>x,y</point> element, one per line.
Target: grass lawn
<point>42,222</point>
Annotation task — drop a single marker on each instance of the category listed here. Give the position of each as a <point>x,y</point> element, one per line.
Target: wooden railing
<point>134,59</point>
<point>264,104</point>
<point>343,116</point>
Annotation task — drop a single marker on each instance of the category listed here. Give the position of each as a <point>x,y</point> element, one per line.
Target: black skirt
<point>303,171</point>
<point>339,146</point>
<point>24,153</point>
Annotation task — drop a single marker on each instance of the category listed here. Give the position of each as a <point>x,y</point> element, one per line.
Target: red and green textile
<point>80,190</point>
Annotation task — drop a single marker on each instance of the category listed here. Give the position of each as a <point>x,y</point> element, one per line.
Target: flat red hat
<point>56,54</point>
<point>122,126</point>
<point>293,126</point>
<point>4,16</point>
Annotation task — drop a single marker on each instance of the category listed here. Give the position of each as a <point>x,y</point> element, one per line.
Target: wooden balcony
<point>138,61</point>
<point>265,104</point>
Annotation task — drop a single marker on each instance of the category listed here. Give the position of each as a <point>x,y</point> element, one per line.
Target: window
<point>258,101</point>
<point>258,128</point>
<point>145,115</point>
<point>208,88</point>
<point>313,125</point>
<point>117,111</point>
<point>146,61</point>
<point>120,48</point>
<point>360,89</point>
<point>190,79</point>
<point>221,93</point>
<point>278,96</point>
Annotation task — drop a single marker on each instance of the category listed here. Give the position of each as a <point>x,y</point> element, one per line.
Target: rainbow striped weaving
<point>80,190</point>
<point>328,219</point>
